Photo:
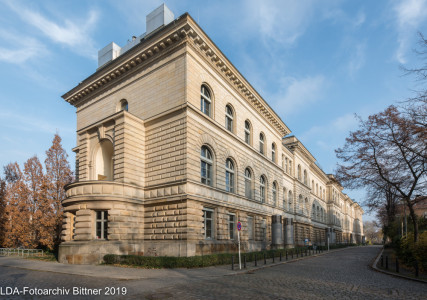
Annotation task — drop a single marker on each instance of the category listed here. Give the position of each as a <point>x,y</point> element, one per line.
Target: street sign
<point>239,226</point>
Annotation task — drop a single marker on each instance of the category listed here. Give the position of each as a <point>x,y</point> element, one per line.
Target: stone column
<point>289,231</point>
<point>276,230</point>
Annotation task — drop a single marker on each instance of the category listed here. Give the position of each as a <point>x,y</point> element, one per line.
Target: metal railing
<point>21,252</point>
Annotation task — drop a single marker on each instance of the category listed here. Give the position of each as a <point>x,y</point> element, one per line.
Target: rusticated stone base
<point>92,252</point>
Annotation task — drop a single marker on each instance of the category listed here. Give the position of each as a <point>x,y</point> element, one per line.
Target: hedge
<point>157,262</point>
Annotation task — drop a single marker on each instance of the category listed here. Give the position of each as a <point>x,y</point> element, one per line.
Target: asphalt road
<point>339,275</point>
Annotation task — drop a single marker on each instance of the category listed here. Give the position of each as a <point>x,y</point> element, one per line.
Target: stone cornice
<point>152,46</point>
<point>183,29</point>
<point>202,43</point>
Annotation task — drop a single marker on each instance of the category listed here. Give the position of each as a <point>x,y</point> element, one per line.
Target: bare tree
<point>386,150</point>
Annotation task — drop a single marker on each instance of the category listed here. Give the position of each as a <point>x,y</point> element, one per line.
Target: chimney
<point>159,17</point>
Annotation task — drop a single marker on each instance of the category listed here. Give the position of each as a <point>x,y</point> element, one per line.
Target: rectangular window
<point>250,228</point>
<point>101,224</point>
<point>247,137</point>
<point>231,225</point>
<point>73,225</point>
<point>208,223</point>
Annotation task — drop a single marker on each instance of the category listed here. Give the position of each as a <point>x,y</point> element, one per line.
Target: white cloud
<point>73,34</point>
<point>281,21</point>
<point>28,123</point>
<point>410,14</point>
<point>357,59</point>
<point>331,135</point>
<point>295,95</point>
<point>23,49</point>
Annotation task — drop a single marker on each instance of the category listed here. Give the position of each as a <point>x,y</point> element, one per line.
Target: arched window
<point>248,183</point>
<point>290,201</point>
<point>290,167</point>
<point>261,143</point>
<point>273,152</point>
<point>262,188</point>
<point>286,165</point>
<point>305,177</point>
<point>284,198</point>
<point>104,168</point>
<point>306,207</point>
<point>229,116</point>
<point>247,132</point>
<point>318,214</point>
<point>274,191</point>
<point>205,100</point>
<point>124,105</point>
<point>206,166</point>
<point>300,204</point>
<point>312,185</point>
<point>299,172</point>
<point>229,176</point>
<point>313,212</point>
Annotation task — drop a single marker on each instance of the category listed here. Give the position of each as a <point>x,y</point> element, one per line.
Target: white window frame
<point>101,224</point>
<point>206,165</point>
<point>229,176</point>
<point>229,118</point>
<point>205,100</point>
<point>206,220</point>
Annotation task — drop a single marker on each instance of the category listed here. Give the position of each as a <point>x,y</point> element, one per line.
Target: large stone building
<point>174,147</point>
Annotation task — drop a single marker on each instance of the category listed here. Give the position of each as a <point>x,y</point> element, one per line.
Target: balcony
<point>102,190</point>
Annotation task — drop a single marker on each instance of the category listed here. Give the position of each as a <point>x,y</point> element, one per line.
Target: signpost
<point>239,227</point>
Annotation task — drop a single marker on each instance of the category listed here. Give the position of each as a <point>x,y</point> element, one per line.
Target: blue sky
<point>317,63</point>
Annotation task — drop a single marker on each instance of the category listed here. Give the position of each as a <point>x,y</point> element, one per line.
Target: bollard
<point>297,253</point>
<point>273,257</point>
<point>397,265</point>
<point>255,261</point>
<point>305,251</point>
<point>416,269</point>
<point>386,262</point>
<point>265,260</point>
<point>382,261</point>
<point>292,253</point>
<point>232,262</point>
<point>244,261</point>
<point>286,254</point>
<point>280,256</point>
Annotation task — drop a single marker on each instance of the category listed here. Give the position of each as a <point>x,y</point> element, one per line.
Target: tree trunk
<point>414,218</point>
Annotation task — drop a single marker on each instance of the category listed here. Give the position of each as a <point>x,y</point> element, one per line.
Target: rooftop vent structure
<point>158,18</point>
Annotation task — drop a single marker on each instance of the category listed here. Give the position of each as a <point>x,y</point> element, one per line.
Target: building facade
<point>174,147</point>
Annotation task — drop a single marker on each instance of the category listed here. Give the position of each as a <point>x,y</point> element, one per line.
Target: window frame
<point>248,132</point>
<point>261,143</point>
<point>250,225</point>
<point>262,189</point>
<point>229,176</point>
<point>206,100</point>
<point>248,183</point>
<point>229,118</point>
<point>208,163</point>
<point>274,193</point>
<point>232,226</point>
<point>101,224</point>
<point>273,153</point>
<point>206,219</point>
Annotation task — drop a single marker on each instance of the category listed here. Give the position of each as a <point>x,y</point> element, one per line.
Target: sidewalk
<point>131,273</point>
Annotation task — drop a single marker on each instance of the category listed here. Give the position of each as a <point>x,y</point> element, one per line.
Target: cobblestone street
<point>339,275</point>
